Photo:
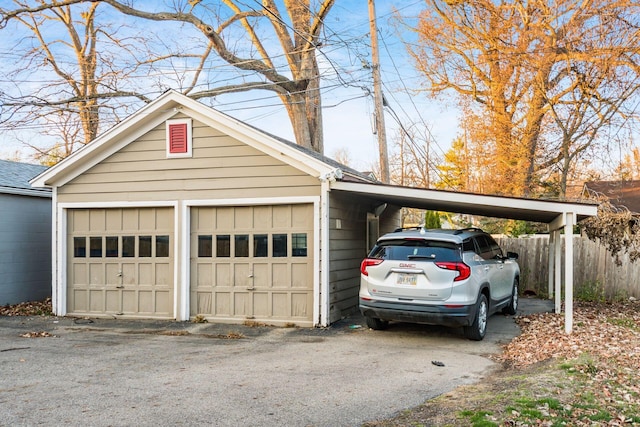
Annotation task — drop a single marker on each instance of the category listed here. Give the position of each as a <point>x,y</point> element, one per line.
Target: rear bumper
<point>419,313</point>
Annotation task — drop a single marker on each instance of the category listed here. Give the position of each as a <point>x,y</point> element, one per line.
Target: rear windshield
<point>423,250</point>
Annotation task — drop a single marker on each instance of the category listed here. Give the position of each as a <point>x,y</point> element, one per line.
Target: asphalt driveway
<point>149,373</point>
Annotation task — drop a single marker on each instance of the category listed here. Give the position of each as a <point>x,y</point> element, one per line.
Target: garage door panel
<point>260,304</point>
<point>242,303</point>
<point>79,272</point>
<point>282,216</point>
<point>223,304</point>
<point>164,302</point>
<point>204,302</point>
<point>112,303</point>
<point>163,275</point>
<point>130,220</point>
<point>242,276</point>
<point>243,218</point>
<point>96,301</point>
<point>129,301</point>
<point>204,276</point>
<point>302,217</point>
<point>145,274</point>
<point>112,274</point>
<point>79,299</point>
<point>262,217</point>
<point>146,302</point>
<point>299,305</point>
<point>129,276</point>
<point>112,269</point>
<point>224,218</point>
<point>223,275</point>
<point>113,219</point>
<point>299,275</point>
<point>80,221</point>
<point>97,220</point>
<point>96,274</point>
<point>280,304</point>
<point>280,275</point>
<point>146,220</point>
<point>261,275</point>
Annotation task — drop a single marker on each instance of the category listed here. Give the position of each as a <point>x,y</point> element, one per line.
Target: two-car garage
<point>245,262</point>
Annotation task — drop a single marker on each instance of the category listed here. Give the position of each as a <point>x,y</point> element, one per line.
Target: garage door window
<point>95,247</point>
<point>260,245</point>
<point>299,244</point>
<point>79,247</point>
<point>205,246</point>
<point>144,246</point>
<point>162,246</point>
<point>279,245</point>
<point>111,246</point>
<point>242,245</point>
<point>128,246</point>
<point>223,246</point>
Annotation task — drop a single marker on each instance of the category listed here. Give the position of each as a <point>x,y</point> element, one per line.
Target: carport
<point>557,215</point>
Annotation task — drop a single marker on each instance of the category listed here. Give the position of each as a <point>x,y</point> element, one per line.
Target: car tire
<point>478,328</point>
<point>376,324</point>
<point>513,303</point>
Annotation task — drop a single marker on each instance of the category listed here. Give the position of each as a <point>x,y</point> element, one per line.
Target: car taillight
<point>368,262</point>
<point>464,271</point>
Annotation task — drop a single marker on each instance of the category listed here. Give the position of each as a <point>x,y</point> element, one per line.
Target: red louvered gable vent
<point>178,138</point>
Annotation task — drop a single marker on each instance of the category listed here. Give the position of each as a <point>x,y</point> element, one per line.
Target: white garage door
<point>253,262</point>
<point>121,262</point>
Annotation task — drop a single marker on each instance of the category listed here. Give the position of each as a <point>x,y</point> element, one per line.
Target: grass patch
<point>550,393</point>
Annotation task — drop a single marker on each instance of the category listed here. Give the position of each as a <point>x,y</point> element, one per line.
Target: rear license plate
<point>407,279</point>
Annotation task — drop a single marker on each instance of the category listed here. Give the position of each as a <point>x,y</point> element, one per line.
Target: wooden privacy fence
<point>595,273</point>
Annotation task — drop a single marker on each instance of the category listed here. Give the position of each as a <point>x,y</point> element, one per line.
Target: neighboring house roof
<point>172,103</point>
<point>619,193</point>
<point>15,177</point>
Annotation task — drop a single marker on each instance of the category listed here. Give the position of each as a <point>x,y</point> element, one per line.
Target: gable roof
<point>619,193</point>
<point>15,177</point>
<point>169,105</point>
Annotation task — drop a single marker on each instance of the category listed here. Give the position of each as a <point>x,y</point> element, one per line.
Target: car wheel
<point>376,324</point>
<point>478,328</point>
<point>513,304</point>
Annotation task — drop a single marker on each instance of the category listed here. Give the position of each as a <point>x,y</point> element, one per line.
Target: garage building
<point>181,211</point>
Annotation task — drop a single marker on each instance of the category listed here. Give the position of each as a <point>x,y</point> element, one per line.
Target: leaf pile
<point>31,308</point>
<point>40,334</point>
<point>606,331</point>
<point>602,354</point>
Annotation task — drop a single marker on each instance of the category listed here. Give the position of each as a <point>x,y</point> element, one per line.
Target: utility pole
<point>377,96</point>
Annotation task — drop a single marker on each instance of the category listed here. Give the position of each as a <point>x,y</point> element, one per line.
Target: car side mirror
<point>512,255</point>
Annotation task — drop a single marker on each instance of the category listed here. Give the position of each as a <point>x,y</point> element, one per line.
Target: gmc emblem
<point>407,265</point>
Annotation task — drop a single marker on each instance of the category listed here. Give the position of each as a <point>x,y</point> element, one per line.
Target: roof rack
<point>462,230</point>
<point>399,229</point>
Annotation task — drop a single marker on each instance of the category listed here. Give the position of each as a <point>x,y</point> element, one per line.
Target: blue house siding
<point>25,248</point>
<point>25,235</point>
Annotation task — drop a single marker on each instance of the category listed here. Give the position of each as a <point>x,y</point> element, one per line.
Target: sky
<point>347,102</point>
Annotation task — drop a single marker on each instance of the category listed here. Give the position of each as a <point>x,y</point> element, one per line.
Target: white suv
<point>438,277</point>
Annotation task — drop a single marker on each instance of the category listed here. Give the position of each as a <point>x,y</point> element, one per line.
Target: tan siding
<point>221,167</point>
<point>347,249</point>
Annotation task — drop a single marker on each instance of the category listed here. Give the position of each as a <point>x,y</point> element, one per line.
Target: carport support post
<point>568,272</point>
<point>557,243</point>
<point>550,262</point>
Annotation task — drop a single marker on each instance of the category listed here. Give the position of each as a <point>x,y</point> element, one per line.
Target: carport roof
<point>545,211</point>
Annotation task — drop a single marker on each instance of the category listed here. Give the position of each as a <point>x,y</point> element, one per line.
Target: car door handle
<point>486,268</point>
